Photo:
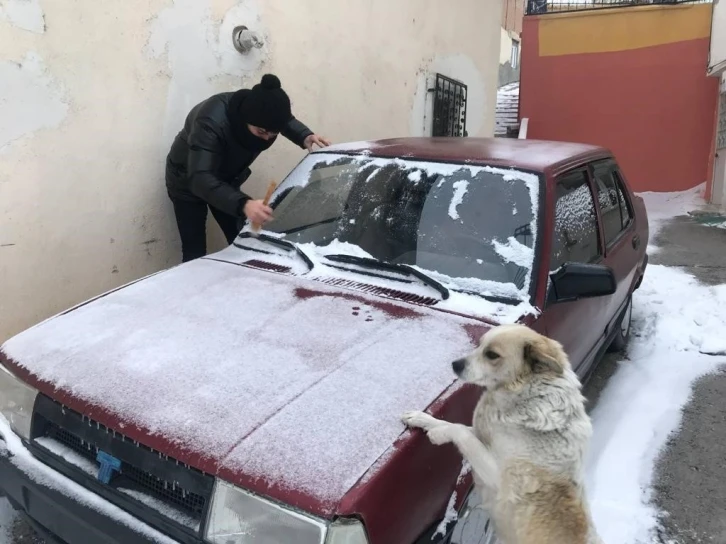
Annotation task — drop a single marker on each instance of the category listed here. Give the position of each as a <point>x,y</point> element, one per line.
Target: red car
<point>254,396</point>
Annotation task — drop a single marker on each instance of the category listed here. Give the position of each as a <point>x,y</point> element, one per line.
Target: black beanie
<point>266,105</point>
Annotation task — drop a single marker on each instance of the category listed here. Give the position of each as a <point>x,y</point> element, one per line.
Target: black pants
<point>191,218</point>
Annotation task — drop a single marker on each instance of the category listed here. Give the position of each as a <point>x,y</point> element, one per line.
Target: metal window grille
<point>449,107</point>
<point>721,135</point>
<point>538,7</point>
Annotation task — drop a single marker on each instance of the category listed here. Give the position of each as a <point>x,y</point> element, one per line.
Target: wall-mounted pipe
<point>245,40</point>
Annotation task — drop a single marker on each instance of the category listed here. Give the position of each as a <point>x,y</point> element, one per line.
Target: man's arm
<point>296,132</point>
<point>205,155</point>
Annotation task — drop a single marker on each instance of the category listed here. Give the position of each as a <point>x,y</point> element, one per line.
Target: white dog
<point>528,441</point>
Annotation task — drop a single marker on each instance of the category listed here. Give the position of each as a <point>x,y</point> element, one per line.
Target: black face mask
<point>248,140</point>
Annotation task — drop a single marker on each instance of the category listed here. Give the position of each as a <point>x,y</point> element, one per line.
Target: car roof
<point>534,155</point>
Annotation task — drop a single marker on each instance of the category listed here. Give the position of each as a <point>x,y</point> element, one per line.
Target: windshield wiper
<point>491,298</point>
<point>285,244</point>
<point>397,267</point>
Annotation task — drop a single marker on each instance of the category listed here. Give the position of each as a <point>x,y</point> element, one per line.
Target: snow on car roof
<point>234,364</point>
<point>536,155</point>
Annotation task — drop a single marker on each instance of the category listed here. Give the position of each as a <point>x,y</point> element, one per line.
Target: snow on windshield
<point>450,221</point>
<point>515,252</point>
<point>460,189</point>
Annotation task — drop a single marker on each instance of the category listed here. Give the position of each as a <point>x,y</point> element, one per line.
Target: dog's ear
<point>545,355</point>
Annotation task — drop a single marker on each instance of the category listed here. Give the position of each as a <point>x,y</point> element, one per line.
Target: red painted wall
<point>654,107</point>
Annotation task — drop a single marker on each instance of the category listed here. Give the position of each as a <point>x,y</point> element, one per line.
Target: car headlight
<point>239,517</point>
<point>16,402</point>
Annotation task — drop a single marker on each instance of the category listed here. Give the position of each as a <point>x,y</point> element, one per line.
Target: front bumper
<point>60,509</point>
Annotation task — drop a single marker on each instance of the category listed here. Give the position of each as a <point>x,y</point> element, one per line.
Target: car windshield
<point>472,228</point>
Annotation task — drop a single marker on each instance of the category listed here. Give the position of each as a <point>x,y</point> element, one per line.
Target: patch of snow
<point>163,508</point>
<point>477,306</point>
<point>45,476</point>
<point>29,99</point>
<point>515,252</point>
<point>674,318</point>
<point>212,334</point>
<point>465,471</point>
<point>69,455</point>
<point>450,516</point>
<point>23,14</point>
<point>336,247</point>
<point>461,187</point>
<point>349,147</point>
<point>373,174</point>
<point>713,346</point>
<point>415,176</point>
<point>662,207</point>
<point>489,287</point>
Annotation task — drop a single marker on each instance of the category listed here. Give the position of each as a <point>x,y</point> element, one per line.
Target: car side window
<point>614,210</point>
<point>625,212</point>
<point>576,234</point>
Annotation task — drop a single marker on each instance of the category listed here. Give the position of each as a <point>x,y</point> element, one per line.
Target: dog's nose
<point>458,365</point>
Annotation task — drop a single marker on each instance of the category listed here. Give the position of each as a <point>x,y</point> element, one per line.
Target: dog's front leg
<point>471,448</point>
<point>422,420</point>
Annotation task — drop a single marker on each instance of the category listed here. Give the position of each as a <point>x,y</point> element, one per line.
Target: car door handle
<point>636,241</point>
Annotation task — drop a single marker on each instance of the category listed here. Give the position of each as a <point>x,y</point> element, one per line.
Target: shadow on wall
<point>507,74</point>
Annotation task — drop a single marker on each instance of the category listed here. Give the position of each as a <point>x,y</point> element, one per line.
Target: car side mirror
<point>573,281</point>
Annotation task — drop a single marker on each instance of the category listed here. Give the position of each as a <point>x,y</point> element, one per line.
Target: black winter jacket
<point>206,161</point>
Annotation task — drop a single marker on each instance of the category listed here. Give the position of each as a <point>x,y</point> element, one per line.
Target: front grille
<point>161,491</point>
<point>170,492</point>
<point>382,291</point>
<point>263,265</point>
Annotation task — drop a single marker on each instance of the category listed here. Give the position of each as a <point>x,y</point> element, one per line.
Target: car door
<point>618,232</point>
<point>578,325</point>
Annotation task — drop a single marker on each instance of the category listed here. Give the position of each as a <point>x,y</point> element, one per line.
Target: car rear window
<point>576,233</point>
<point>611,200</point>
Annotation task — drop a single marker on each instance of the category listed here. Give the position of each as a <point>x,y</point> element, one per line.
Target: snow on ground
<point>675,319</point>
<point>664,206</point>
<point>7,517</point>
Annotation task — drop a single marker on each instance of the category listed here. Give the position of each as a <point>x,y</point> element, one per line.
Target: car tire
<point>622,333</point>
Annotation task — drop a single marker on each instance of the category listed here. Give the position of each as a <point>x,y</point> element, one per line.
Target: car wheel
<point>474,525</point>
<point>622,334</point>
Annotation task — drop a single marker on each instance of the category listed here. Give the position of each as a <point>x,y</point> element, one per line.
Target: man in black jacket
<point>210,159</point>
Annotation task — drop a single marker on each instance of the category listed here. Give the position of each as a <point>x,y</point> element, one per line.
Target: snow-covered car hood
<point>280,384</point>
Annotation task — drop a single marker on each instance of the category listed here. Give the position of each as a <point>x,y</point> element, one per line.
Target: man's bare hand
<point>257,212</point>
<point>314,139</point>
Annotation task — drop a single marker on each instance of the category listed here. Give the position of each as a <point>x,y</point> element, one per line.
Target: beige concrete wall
<point>717,53</point>
<point>91,94</point>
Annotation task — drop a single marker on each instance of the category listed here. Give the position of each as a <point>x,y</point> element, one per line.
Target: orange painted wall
<point>631,79</point>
